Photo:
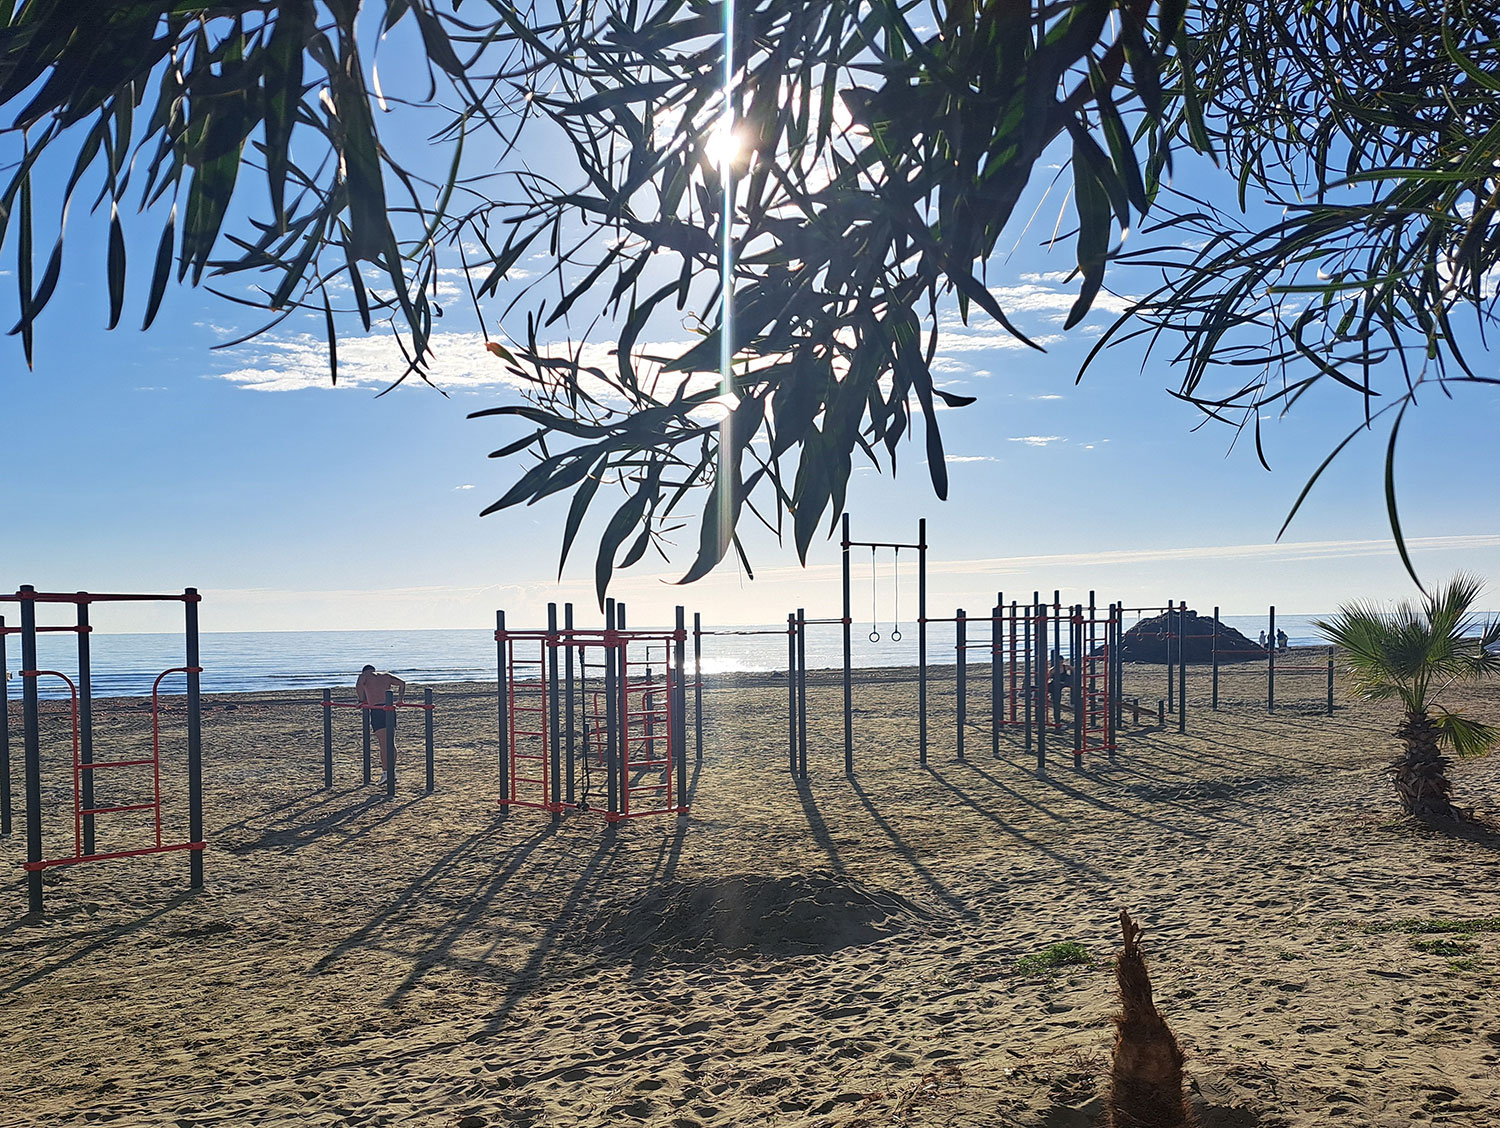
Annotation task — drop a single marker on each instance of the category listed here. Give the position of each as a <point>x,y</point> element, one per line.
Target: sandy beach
<point>851,952</point>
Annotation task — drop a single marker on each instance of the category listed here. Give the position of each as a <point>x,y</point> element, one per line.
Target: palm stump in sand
<point>1145,1078</point>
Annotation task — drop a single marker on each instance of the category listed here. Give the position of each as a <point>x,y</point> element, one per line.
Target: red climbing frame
<point>558,726</point>
<point>84,762</point>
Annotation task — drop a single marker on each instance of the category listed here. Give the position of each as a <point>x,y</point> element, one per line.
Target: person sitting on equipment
<point>371,689</point>
<point>1281,640</point>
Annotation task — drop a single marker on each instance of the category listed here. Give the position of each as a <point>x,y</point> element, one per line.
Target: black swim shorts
<point>377,717</point>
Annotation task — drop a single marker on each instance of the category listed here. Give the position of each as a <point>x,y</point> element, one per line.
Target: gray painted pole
<point>427,716</point>
<point>1271,664</point>
<point>86,726</point>
<point>922,640</point>
<point>962,644</point>
<point>31,722</point>
<point>502,698</point>
<point>848,659</point>
<point>328,738</point>
<point>5,800</point>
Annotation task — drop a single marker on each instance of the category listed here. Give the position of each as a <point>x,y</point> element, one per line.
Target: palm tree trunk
<point>1145,1076</point>
<point>1421,771</point>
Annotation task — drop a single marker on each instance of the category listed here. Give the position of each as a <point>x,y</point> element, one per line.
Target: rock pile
<point>1147,641</point>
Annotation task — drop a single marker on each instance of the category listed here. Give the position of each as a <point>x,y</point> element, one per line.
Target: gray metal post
<point>922,640</point>
<point>848,659</point>
<point>997,613</point>
<point>427,715</point>
<point>698,684</point>
<point>677,698</point>
<point>194,739</point>
<point>86,726</point>
<point>801,693</point>
<point>791,693</point>
<point>328,738</point>
<point>1040,611</point>
<point>31,729</point>
<point>962,639</point>
<point>1182,667</point>
<point>1216,661</point>
<point>5,801</point>
<point>1271,664</point>
<point>570,712</point>
<point>502,707</point>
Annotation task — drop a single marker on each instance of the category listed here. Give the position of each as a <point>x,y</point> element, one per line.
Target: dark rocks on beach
<point>1147,641</point>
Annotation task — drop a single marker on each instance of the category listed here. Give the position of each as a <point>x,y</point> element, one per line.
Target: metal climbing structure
<point>587,723</point>
<point>87,808</point>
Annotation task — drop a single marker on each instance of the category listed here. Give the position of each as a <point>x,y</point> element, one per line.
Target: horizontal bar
<point>93,597</point>
<point>117,810</point>
<point>114,764</point>
<point>33,867</point>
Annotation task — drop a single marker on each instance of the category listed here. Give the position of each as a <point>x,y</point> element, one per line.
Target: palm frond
<point>1465,735</point>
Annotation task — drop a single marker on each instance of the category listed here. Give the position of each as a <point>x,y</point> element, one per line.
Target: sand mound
<point>750,913</point>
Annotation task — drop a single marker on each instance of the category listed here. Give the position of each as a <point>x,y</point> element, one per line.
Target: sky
<point>151,462</point>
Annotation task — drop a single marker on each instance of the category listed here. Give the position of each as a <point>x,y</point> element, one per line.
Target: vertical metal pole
<point>194,739</point>
<point>961,630</point>
<point>31,728</point>
<point>328,739</point>
<point>1076,687</point>
<point>427,714</point>
<point>1057,628</point>
<point>1041,677</point>
<point>364,716</point>
<point>611,711</point>
<point>1271,665</point>
<point>922,640</point>
<point>801,693</point>
<point>1215,696</point>
<point>502,710</point>
<point>390,735</point>
<point>1171,669</point>
<point>1330,681</point>
<point>997,613</point>
<point>698,683</point>
<point>5,801</point>
<point>1013,665</point>
<point>86,723</point>
<point>677,696</point>
<point>848,659</point>
<point>1111,683</point>
<point>791,693</point>
<point>1181,666</point>
<point>570,712</point>
<point>552,717</point>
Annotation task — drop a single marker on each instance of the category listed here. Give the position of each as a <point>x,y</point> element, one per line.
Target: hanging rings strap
<point>896,614</point>
<point>874,613</point>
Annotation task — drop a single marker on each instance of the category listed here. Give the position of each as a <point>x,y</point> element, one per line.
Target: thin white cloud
<point>1037,440</point>
<point>465,486</point>
<point>1292,552</point>
<point>969,458</point>
<point>460,362</point>
<point>1047,397</point>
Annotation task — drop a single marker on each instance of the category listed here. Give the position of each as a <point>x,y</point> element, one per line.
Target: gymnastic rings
<point>875,636</point>
<point>895,634</point>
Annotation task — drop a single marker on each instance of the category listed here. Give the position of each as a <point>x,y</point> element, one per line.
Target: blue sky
<point>151,462</point>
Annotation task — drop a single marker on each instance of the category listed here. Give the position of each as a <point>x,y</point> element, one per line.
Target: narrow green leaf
<point>116,266</point>
<point>162,272</point>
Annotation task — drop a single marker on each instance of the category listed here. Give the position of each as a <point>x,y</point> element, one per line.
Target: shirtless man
<point>371,689</point>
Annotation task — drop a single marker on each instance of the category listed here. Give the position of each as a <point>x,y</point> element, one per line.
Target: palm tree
<point>1411,655</point>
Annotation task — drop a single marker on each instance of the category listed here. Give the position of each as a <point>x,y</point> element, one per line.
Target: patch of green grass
<point>1443,947</point>
<point>1069,953</point>
<point>1416,926</point>
<point>1465,964</point>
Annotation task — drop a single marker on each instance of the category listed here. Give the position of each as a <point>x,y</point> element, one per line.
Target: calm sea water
<point>250,662</point>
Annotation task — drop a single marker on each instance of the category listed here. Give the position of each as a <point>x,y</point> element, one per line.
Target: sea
<point>127,665</point>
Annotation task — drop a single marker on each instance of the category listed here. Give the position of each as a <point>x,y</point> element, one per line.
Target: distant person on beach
<point>1062,677</point>
<point>1262,640</point>
<point>371,689</point>
<point>1281,640</point>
